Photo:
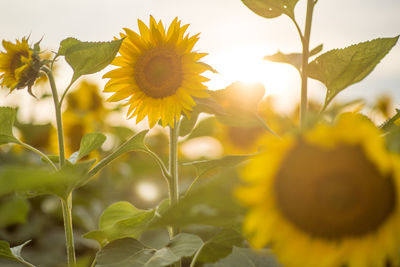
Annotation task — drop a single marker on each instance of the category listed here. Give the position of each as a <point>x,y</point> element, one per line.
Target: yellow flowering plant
<point>318,187</point>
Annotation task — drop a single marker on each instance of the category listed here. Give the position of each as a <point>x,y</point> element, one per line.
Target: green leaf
<point>340,68</point>
<point>294,59</point>
<point>89,57</point>
<point>230,161</point>
<point>205,127</point>
<point>135,143</point>
<point>187,125</point>
<point>210,203</point>
<point>7,118</point>
<point>390,123</point>
<point>220,245</point>
<point>21,178</point>
<point>13,210</point>
<point>131,253</point>
<point>271,8</point>
<point>89,142</point>
<point>65,44</point>
<point>13,253</point>
<point>120,220</point>
<point>247,257</point>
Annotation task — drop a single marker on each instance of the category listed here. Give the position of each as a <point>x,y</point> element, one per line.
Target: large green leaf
<point>7,118</point>
<point>13,253</point>
<point>120,220</point>
<point>129,252</point>
<point>89,142</point>
<point>271,8</point>
<point>247,257</point>
<point>135,143</point>
<point>187,125</point>
<point>340,68</point>
<point>88,57</point>
<point>229,161</point>
<point>220,245</point>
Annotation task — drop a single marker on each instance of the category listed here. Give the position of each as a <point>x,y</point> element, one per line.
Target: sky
<point>235,38</point>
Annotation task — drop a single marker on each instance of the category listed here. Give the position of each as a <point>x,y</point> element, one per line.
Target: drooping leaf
<point>205,127</point>
<point>247,257</point>
<point>7,118</point>
<point>230,161</point>
<point>89,142</point>
<point>294,59</point>
<point>13,210</point>
<point>88,57</point>
<point>129,252</point>
<point>187,125</point>
<point>271,8</point>
<point>220,245</point>
<point>135,143</point>
<point>13,253</point>
<point>340,68</point>
<point>120,220</point>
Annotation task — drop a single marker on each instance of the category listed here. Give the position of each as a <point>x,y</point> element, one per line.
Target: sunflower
<point>326,198</point>
<point>19,65</point>
<point>159,73</point>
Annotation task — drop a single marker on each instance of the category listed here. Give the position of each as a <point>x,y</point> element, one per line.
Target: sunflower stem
<point>173,171</point>
<point>49,74</point>
<point>304,68</point>
<point>69,234</point>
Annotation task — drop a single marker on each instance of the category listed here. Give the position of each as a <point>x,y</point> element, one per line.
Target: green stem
<point>196,256</point>
<point>304,68</point>
<point>58,115</point>
<point>69,234</point>
<point>160,163</point>
<point>44,156</point>
<point>173,171</point>
<point>65,93</point>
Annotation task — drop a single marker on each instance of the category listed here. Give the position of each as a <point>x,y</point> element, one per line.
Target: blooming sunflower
<point>327,198</point>
<point>158,72</point>
<point>19,65</point>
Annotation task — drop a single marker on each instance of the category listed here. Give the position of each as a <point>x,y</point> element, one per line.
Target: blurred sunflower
<point>333,193</point>
<point>85,113</point>
<point>158,73</point>
<point>19,65</point>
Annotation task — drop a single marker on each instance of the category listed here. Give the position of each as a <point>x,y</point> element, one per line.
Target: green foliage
<point>247,257</point>
<point>340,68</point>
<point>7,118</point>
<point>13,210</point>
<point>89,142</point>
<point>135,143</point>
<point>120,220</point>
<point>187,124</point>
<point>13,253</point>
<point>271,8</point>
<point>88,57</point>
<point>220,245</point>
<point>229,161</point>
<point>390,123</point>
<point>130,252</point>
<point>294,59</point>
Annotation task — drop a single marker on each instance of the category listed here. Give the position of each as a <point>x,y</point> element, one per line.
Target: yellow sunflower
<point>327,198</point>
<point>19,65</point>
<point>159,73</point>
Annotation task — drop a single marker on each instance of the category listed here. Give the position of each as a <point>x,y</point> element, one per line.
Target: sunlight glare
<point>147,191</point>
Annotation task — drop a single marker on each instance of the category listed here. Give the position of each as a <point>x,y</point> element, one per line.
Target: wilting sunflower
<point>327,198</point>
<point>158,72</point>
<point>19,65</point>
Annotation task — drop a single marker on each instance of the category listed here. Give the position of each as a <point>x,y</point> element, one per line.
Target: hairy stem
<point>304,68</point>
<point>173,171</point>
<point>58,115</point>
<point>69,234</point>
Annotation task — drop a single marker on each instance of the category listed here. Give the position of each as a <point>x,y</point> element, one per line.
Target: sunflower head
<point>332,193</point>
<point>158,72</point>
<point>19,64</point>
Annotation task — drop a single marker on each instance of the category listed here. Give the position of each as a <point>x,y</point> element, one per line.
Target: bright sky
<point>235,38</point>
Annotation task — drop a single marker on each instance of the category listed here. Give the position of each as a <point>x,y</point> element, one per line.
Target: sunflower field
<point>137,161</point>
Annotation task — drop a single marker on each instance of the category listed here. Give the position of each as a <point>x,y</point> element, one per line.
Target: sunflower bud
<point>19,65</point>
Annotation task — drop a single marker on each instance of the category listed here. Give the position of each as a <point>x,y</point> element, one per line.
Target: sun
<point>246,64</point>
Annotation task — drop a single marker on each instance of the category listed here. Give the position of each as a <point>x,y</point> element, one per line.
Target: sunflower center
<point>334,193</point>
<point>158,72</point>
